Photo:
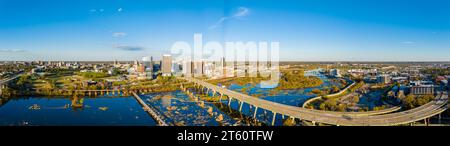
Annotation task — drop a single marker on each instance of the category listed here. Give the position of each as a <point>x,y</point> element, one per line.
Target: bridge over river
<point>435,107</point>
<point>4,81</point>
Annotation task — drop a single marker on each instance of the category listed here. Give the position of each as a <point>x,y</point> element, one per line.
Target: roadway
<point>3,81</point>
<point>332,118</point>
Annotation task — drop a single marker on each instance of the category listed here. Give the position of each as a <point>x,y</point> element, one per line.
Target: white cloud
<point>129,48</point>
<point>11,50</point>
<point>96,10</point>
<point>119,34</point>
<point>408,42</point>
<point>119,10</point>
<point>242,12</point>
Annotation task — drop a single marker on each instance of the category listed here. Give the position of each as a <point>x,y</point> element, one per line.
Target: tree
<point>355,99</point>
<point>342,107</point>
<point>421,100</point>
<point>24,79</point>
<point>316,91</point>
<point>377,108</point>
<point>409,101</point>
<point>322,106</point>
<point>334,89</point>
<point>296,80</point>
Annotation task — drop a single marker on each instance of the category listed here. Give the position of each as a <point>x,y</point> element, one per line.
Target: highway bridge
<point>4,81</point>
<point>424,112</point>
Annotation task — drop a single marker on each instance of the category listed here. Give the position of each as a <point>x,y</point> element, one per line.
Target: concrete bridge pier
<point>313,123</point>
<point>254,113</point>
<point>293,119</point>
<point>439,118</point>
<point>229,100</point>
<point>221,95</point>
<point>426,121</point>
<point>240,106</point>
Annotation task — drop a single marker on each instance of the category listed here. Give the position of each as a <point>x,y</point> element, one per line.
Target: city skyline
<point>306,30</point>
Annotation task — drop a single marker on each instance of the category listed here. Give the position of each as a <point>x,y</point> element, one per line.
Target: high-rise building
<point>188,68</point>
<point>176,67</point>
<point>166,65</point>
<point>147,63</point>
<point>224,67</point>
<point>199,68</point>
<point>151,63</point>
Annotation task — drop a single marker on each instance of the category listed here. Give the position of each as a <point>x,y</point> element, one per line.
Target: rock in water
<point>103,108</point>
<point>181,123</point>
<point>219,118</point>
<point>202,104</point>
<point>210,111</point>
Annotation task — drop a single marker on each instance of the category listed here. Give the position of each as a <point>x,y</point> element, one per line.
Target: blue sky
<point>308,30</point>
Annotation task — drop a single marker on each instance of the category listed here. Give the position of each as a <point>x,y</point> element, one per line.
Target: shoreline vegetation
<point>58,82</point>
<point>289,80</point>
<point>330,103</point>
<point>334,104</point>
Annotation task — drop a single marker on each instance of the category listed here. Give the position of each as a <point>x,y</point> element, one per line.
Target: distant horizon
<point>282,61</point>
